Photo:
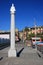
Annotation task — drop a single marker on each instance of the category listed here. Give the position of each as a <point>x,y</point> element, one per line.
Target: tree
<point>26,29</point>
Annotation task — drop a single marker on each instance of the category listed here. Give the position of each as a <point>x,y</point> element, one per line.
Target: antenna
<point>35,26</point>
<point>34,22</point>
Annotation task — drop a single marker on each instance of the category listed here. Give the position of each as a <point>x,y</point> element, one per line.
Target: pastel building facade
<point>38,30</point>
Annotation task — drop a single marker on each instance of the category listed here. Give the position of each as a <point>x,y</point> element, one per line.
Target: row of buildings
<point>22,34</point>
<point>34,30</point>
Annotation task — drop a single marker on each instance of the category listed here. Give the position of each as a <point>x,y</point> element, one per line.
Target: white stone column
<point>12,51</point>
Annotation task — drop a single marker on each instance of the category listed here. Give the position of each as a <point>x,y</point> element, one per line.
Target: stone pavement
<point>27,57</point>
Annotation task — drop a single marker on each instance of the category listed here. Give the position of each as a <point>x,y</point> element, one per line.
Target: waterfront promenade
<point>26,56</point>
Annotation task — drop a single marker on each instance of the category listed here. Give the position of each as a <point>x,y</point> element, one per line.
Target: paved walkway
<point>27,57</point>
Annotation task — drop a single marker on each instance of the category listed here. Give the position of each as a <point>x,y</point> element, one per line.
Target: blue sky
<point>27,11</point>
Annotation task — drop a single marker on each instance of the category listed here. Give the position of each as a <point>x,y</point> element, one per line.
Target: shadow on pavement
<point>18,53</point>
<point>39,55</point>
<point>1,58</point>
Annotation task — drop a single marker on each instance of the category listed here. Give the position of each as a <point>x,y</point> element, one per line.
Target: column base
<point>12,53</point>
